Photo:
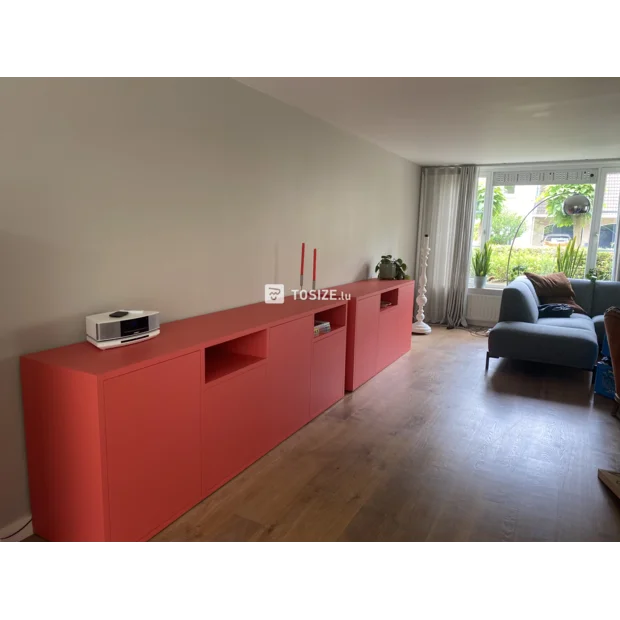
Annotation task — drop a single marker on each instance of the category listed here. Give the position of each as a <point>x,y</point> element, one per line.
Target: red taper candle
<point>314,270</point>
<point>301,271</point>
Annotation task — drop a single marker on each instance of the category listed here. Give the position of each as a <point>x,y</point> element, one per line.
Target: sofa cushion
<point>575,321</point>
<point>565,346</point>
<point>554,288</point>
<point>599,328</point>
<point>606,295</point>
<point>551,285</point>
<point>584,291</point>
<point>519,302</point>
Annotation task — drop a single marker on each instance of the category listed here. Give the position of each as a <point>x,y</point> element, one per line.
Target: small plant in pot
<point>391,269</point>
<point>481,262</point>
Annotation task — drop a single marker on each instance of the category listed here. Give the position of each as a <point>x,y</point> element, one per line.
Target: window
<point>605,240</point>
<point>503,215</point>
<point>482,183</point>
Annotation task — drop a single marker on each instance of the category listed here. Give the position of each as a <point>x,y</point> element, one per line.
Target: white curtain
<point>447,202</point>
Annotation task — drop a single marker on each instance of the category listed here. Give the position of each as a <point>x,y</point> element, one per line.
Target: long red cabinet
<point>122,442</point>
<point>378,326</point>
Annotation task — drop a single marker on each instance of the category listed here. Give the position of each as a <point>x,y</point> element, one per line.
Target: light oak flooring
<point>433,449</point>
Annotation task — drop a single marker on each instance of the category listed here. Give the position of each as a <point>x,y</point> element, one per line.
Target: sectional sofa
<point>573,341</point>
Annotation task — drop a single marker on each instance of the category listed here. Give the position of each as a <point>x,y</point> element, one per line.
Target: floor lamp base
<point>420,327</point>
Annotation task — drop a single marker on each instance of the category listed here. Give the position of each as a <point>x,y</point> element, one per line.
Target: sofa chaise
<point>573,341</point>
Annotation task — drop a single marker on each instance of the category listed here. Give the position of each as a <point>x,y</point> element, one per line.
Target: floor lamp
<point>420,327</point>
<point>577,204</point>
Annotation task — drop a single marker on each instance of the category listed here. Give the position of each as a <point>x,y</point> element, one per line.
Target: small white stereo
<point>120,328</point>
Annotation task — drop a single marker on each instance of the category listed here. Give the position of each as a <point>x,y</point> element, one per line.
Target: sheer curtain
<point>447,201</point>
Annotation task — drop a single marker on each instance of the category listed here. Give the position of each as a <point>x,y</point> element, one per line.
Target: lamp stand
<point>420,327</point>
<point>538,204</point>
<point>577,204</point>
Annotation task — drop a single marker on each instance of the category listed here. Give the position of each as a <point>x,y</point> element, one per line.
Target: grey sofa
<point>573,341</point>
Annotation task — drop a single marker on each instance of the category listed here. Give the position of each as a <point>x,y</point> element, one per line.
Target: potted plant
<point>572,261</point>
<point>481,262</point>
<point>391,269</point>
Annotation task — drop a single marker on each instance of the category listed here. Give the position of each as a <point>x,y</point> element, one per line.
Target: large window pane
<point>539,235</point>
<point>607,234</point>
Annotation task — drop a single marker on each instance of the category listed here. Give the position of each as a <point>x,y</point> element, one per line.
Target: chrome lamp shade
<point>577,204</point>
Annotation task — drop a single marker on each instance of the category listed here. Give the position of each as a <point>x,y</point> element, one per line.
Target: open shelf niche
<point>337,318</point>
<point>234,355</point>
<point>390,297</point>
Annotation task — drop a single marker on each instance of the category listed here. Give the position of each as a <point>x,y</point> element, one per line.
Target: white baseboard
<point>13,527</point>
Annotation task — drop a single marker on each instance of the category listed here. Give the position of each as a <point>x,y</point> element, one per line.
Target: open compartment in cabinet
<point>389,300</point>
<point>336,317</point>
<point>233,356</point>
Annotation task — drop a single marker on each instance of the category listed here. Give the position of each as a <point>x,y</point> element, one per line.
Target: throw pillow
<point>554,289</point>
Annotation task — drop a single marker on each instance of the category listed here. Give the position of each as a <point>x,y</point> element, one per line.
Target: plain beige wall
<point>185,196</point>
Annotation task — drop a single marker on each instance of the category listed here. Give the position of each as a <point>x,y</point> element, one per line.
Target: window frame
<point>603,167</point>
<point>597,214</point>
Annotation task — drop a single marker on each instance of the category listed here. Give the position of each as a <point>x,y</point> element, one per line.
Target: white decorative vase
<point>480,281</point>
<point>420,327</point>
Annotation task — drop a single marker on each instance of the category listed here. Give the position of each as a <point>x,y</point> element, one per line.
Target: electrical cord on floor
<point>18,531</point>
<point>482,332</point>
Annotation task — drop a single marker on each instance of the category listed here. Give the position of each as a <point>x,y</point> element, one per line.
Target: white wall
<point>185,196</point>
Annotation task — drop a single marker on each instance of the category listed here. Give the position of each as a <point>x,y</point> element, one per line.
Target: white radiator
<point>483,307</point>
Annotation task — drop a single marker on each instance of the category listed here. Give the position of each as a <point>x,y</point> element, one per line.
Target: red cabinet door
<point>152,420</point>
<point>389,347</point>
<point>328,356</point>
<point>362,348</point>
<point>289,365</point>
<point>233,427</point>
<point>405,301</point>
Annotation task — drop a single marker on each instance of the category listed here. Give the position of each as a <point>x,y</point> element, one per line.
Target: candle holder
<point>420,327</point>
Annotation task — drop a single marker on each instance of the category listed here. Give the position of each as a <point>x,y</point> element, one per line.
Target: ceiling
<point>434,121</point>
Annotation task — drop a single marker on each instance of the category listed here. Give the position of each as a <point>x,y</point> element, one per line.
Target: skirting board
<point>611,479</point>
<point>13,527</point>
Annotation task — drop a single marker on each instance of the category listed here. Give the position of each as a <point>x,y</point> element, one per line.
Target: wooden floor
<point>433,449</point>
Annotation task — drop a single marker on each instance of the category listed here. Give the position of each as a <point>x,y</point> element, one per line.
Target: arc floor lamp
<point>577,204</point>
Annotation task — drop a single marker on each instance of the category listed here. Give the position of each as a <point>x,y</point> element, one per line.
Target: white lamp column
<point>420,327</point>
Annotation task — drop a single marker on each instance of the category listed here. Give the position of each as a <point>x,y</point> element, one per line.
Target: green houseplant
<point>391,269</point>
<point>571,261</point>
<point>481,262</point>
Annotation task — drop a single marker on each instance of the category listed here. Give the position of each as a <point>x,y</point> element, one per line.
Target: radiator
<point>483,308</point>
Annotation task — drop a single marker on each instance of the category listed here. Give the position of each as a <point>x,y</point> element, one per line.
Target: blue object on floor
<point>605,349</point>
<point>604,381</point>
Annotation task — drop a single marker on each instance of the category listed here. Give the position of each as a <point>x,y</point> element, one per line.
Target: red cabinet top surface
<point>366,288</point>
<point>181,336</point>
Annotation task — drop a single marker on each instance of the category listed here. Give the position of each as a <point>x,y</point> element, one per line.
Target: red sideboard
<point>378,327</point>
<point>122,442</point>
